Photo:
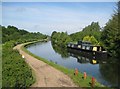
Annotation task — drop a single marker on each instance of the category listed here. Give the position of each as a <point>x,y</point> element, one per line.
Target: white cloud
<point>46,19</point>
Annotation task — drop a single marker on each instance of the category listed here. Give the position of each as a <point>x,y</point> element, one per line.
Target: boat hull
<point>88,53</point>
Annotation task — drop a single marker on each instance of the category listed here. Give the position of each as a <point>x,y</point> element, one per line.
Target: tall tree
<point>111,34</point>
<point>91,30</point>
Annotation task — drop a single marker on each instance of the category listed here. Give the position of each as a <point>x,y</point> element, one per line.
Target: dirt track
<point>46,76</point>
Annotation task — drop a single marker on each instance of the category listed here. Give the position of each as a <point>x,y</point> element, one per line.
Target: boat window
<point>68,45</point>
<point>79,42</point>
<point>83,47</point>
<point>87,47</point>
<point>100,49</point>
<point>72,45</point>
<point>94,48</point>
<point>79,46</point>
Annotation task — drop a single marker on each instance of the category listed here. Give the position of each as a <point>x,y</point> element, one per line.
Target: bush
<point>15,71</point>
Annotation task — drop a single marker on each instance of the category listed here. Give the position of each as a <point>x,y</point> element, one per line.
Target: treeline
<point>60,38</point>
<point>90,30</point>
<point>13,33</point>
<point>108,36</point>
<point>90,33</point>
<point>15,72</point>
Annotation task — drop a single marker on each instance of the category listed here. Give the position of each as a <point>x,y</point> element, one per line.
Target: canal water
<point>105,71</point>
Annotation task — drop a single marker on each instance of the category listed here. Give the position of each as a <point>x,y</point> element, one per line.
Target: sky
<point>46,17</point>
<point>59,0</point>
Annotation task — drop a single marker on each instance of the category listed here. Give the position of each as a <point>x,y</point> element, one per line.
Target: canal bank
<point>46,75</point>
<point>77,79</point>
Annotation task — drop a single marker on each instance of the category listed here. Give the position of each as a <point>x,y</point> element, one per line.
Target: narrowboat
<point>86,57</point>
<point>88,48</point>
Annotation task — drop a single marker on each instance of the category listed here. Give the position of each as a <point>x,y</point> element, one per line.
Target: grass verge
<point>15,71</point>
<point>78,80</point>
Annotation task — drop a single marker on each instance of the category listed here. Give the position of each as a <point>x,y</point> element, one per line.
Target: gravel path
<point>46,75</point>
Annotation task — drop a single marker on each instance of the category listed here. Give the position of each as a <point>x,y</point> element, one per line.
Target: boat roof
<point>86,42</point>
<point>96,46</point>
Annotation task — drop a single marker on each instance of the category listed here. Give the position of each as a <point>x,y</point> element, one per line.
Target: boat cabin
<point>97,48</point>
<point>85,45</point>
<point>84,42</point>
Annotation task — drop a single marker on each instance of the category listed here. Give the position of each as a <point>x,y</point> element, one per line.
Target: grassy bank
<point>15,71</point>
<point>78,80</point>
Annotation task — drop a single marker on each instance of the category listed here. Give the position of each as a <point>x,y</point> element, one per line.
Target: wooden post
<point>85,75</point>
<point>76,71</point>
<point>93,82</point>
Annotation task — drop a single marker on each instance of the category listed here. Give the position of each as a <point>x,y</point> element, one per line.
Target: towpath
<point>46,75</point>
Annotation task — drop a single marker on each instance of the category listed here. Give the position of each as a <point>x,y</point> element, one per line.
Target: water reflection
<point>82,58</point>
<point>110,71</point>
<point>105,70</point>
<point>108,67</point>
<point>62,51</point>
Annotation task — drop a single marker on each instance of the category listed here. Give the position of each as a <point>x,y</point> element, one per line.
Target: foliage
<point>18,35</point>
<point>91,39</point>
<point>90,30</point>
<point>61,39</point>
<point>15,71</point>
<point>0,34</point>
<point>93,31</point>
<point>77,36</point>
<point>111,35</point>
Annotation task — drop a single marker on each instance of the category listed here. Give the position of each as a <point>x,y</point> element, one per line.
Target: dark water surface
<point>105,71</point>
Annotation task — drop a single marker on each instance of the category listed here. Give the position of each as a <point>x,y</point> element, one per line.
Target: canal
<point>105,70</point>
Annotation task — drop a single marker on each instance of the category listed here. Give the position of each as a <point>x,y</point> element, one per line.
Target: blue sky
<point>59,0</point>
<point>47,17</point>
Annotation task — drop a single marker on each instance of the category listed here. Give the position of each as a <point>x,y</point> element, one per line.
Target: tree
<point>60,38</point>
<point>91,30</point>
<point>111,35</point>
<point>91,39</point>
<point>13,33</point>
